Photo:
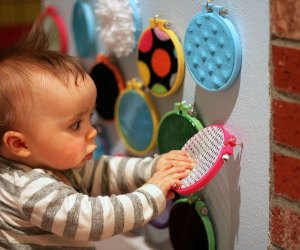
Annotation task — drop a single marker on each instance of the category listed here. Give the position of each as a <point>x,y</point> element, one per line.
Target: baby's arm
<point>116,175</point>
<point>58,208</point>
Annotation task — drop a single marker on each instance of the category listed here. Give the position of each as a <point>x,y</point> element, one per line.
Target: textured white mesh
<point>204,148</point>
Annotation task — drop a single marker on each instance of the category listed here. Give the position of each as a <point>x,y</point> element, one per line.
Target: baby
<point>53,195</point>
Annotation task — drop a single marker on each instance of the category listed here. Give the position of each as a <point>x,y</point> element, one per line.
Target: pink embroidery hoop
<point>210,148</point>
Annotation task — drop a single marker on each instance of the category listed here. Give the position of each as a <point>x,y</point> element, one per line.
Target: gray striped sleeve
<point>39,195</point>
<point>121,174</point>
<point>151,200</point>
<point>97,220</point>
<point>10,187</point>
<point>138,210</point>
<point>119,215</point>
<point>72,218</point>
<point>53,208</point>
<point>105,178</point>
<point>139,172</point>
<point>142,173</point>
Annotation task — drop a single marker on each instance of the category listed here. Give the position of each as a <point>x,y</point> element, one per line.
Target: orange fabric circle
<point>161,62</point>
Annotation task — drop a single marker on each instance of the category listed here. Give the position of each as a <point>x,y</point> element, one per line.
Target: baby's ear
<point>15,142</point>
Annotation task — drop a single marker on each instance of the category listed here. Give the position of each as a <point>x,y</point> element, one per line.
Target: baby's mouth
<point>90,155</point>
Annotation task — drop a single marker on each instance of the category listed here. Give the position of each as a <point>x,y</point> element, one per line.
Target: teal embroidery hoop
<point>212,49</point>
<point>136,18</point>
<point>84,29</point>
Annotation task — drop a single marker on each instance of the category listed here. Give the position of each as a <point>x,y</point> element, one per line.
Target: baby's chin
<point>82,163</point>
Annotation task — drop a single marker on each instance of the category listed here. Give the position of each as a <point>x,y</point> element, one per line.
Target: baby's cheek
<point>75,149</point>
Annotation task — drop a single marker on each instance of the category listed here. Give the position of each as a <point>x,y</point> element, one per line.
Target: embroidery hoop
<point>177,127</point>
<point>84,29</point>
<point>162,79</point>
<point>174,130</point>
<point>190,226</point>
<point>137,129</point>
<point>210,148</point>
<point>209,43</point>
<point>56,29</point>
<point>109,82</point>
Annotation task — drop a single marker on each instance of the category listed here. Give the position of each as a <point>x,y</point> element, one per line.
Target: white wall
<point>238,197</point>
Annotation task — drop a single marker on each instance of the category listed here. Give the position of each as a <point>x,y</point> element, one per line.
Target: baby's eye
<point>76,125</point>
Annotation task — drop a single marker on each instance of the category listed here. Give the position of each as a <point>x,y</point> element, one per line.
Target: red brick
<point>286,62</point>
<point>285,228</point>
<point>286,123</point>
<point>287,176</point>
<point>285,18</point>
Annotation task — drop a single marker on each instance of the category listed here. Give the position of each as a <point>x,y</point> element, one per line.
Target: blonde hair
<point>19,66</point>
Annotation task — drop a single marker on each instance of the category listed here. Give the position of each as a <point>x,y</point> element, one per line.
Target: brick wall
<point>285,125</point>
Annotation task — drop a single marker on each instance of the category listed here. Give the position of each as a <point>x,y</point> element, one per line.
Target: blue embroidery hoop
<point>212,49</point>
<point>84,29</point>
<point>136,18</point>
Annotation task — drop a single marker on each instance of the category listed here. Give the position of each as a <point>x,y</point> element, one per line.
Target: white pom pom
<point>117,26</point>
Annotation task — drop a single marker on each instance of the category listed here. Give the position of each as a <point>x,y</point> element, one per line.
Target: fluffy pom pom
<point>117,26</point>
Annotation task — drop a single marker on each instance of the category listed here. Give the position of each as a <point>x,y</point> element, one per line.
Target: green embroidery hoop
<point>177,127</point>
<point>190,226</point>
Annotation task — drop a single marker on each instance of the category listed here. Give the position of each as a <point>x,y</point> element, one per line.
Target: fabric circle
<point>161,62</point>
<point>107,90</point>
<point>135,121</point>
<point>159,88</point>
<point>146,42</point>
<point>188,229</point>
<point>143,67</point>
<point>174,131</point>
<point>156,50</point>
<point>161,35</point>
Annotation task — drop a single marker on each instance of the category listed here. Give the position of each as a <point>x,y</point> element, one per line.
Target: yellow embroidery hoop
<point>162,26</point>
<point>129,127</point>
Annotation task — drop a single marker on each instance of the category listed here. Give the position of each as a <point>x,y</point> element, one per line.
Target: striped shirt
<point>108,197</point>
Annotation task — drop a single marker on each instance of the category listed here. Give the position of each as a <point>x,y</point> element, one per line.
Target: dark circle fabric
<point>187,231</point>
<point>107,90</point>
<point>174,131</point>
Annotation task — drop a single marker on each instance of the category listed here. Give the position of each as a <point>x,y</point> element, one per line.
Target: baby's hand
<point>167,177</point>
<point>177,158</point>
<point>171,167</point>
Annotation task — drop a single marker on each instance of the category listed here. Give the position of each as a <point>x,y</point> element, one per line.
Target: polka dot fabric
<point>160,59</point>
<point>212,49</point>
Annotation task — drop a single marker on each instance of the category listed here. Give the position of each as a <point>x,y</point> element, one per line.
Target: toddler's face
<point>61,136</point>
